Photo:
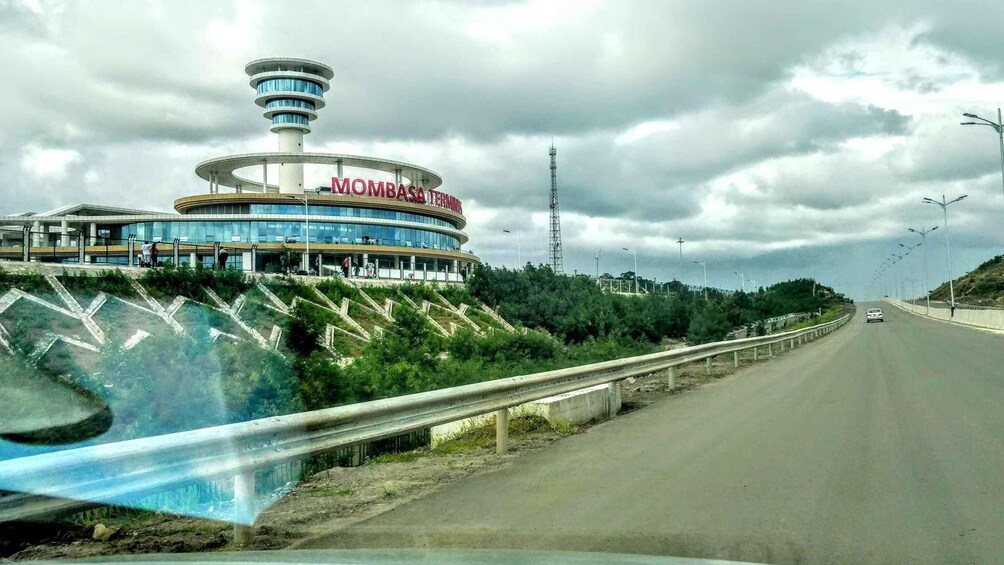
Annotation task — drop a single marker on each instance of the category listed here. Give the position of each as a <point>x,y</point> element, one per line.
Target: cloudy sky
<point>779,139</point>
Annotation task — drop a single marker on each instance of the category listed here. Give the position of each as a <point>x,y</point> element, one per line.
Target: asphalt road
<point>881,443</point>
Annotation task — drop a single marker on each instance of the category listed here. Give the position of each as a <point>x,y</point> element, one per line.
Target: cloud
<point>48,164</point>
<point>767,137</point>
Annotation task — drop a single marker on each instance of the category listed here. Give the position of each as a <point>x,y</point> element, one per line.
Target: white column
<point>264,177</point>
<point>291,174</point>
<point>64,233</point>
<point>37,229</point>
<point>246,261</point>
<point>193,258</point>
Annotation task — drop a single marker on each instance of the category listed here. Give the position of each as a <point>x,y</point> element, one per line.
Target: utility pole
<point>555,232</point>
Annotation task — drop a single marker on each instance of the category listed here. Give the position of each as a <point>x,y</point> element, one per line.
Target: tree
<point>708,324</point>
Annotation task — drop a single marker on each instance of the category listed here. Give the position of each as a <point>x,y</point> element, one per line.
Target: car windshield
<point>712,280</point>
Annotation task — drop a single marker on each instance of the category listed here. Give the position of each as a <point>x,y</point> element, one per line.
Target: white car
<point>874,315</point>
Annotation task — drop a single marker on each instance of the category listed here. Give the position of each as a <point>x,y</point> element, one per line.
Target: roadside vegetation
<point>185,281</point>
<point>983,286</point>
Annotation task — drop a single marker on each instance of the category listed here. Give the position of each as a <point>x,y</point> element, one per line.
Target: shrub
<point>111,282</point>
<point>28,282</point>
<point>336,290</point>
<point>185,281</point>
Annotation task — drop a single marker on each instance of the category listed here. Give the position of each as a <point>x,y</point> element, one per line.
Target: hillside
<point>983,286</point>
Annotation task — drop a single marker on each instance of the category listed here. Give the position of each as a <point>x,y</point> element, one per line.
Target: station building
<point>387,214</point>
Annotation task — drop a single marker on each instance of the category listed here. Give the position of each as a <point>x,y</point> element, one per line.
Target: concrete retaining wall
<point>578,407</point>
<point>991,319</point>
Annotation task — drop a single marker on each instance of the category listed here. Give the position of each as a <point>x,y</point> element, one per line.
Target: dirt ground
<point>339,497</point>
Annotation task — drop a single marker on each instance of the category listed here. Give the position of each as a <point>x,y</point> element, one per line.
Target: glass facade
<point>279,232</point>
<point>290,85</point>
<point>289,103</point>
<point>290,119</point>
<point>297,210</point>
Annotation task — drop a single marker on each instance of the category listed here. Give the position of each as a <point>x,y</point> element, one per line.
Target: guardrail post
<point>244,505</point>
<point>780,346</point>
<point>673,373</point>
<point>735,359</point>
<point>756,353</point>
<point>501,431</point>
<point>707,365</point>
<point>613,398</point>
<point>770,350</point>
<point>791,343</point>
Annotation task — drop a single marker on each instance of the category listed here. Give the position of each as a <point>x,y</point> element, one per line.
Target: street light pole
<point>705,265</point>
<point>519,253</point>
<point>742,278</point>
<point>306,221</point>
<point>635,267</point>
<point>998,127</point>
<point>927,290</point>
<point>597,265</point>
<point>948,250</point>
<point>681,242</point>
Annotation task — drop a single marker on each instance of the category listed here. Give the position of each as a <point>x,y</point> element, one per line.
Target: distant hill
<point>983,286</point>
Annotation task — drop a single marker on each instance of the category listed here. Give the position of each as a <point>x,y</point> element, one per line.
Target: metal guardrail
<point>132,468</point>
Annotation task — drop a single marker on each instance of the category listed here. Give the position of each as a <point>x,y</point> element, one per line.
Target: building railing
<point>111,471</point>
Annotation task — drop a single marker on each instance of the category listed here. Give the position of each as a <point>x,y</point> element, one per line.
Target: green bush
<point>457,295</point>
<point>110,282</point>
<point>418,292</point>
<point>185,281</point>
<point>336,289</point>
<point>287,288</point>
<point>29,282</point>
<point>708,324</point>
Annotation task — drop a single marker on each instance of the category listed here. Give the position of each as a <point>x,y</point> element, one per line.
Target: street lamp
<point>998,127</point>
<point>705,265</point>
<point>597,266</point>
<point>681,242</point>
<point>519,253</point>
<point>927,292</point>
<point>635,267</point>
<point>742,278</point>
<point>306,220</point>
<point>944,208</point>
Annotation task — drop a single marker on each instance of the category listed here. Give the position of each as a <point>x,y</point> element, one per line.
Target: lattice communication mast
<point>555,231</point>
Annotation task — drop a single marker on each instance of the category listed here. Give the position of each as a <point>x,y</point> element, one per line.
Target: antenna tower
<point>555,231</point>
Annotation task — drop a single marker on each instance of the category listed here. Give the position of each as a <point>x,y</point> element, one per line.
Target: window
<point>289,85</point>
<point>290,119</point>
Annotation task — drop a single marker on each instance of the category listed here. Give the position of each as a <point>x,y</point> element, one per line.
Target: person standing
<point>145,252</point>
<point>154,252</point>
<point>345,266</point>
<point>221,261</point>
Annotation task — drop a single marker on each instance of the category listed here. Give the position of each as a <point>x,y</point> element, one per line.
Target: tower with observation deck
<point>291,91</point>
<point>388,215</point>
